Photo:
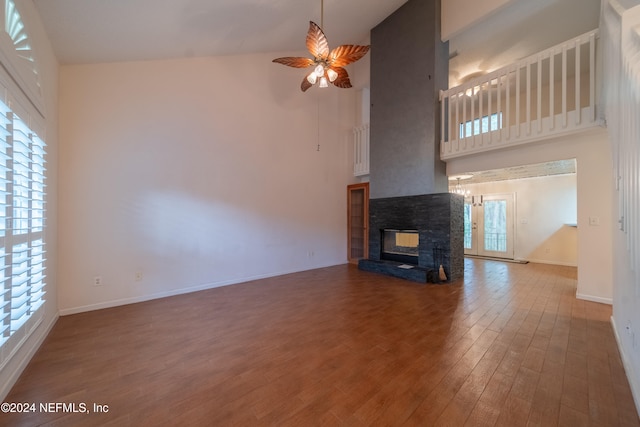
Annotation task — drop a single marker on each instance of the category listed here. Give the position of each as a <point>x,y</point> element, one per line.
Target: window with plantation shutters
<point>22,185</point>
<point>22,212</point>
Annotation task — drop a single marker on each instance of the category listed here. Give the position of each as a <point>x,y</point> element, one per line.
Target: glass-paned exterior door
<point>488,226</point>
<point>495,225</point>
<point>470,228</point>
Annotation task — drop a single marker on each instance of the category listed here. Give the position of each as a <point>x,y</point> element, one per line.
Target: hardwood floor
<point>508,346</point>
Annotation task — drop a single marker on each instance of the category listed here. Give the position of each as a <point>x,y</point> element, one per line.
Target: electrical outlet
<point>97,281</point>
<point>138,276</point>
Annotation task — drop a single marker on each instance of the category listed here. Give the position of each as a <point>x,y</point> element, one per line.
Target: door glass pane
<point>467,225</point>
<point>357,224</point>
<point>495,225</point>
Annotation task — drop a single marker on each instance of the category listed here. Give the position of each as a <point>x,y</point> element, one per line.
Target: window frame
<point>23,195</point>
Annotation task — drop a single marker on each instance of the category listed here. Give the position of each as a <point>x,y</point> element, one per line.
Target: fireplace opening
<point>400,245</point>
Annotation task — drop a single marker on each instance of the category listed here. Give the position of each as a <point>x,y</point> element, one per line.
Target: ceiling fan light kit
<point>328,65</point>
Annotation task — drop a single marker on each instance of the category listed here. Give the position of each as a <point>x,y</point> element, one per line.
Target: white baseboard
<point>174,292</point>
<point>632,376</point>
<point>593,298</point>
<point>546,261</point>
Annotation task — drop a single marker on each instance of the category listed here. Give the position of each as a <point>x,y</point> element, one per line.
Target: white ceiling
<point>558,167</point>
<point>92,31</point>
<point>516,31</point>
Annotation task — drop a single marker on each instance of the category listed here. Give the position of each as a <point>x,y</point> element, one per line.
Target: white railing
<point>361,150</point>
<point>547,94</point>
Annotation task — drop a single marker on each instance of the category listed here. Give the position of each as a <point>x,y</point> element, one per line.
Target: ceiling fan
<point>328,65</point>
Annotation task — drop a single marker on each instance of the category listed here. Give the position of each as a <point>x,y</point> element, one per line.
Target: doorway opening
<point>522,213</point>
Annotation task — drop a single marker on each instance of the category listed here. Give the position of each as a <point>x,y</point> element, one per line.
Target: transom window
<point>15,28</point>
<point>18,57</point>
<point>478,126</point>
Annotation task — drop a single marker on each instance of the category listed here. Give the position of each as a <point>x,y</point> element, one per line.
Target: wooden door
<point>357,222</point>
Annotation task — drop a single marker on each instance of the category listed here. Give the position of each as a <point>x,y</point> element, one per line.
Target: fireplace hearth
<point>412,236</point>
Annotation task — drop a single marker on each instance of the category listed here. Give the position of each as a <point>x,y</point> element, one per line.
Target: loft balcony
<point>549,94</point>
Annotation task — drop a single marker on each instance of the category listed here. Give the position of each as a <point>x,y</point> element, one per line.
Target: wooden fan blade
<point>294,61</point>
<point>346,54</point>
<point>343,78</point>
<point>305,84</point>
<point>317,42</point>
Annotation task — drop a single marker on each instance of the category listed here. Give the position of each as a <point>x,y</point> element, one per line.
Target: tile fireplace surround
<point>439,220</point>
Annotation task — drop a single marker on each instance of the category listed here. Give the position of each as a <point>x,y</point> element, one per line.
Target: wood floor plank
<point>508,345</point>
<point>573,418</point>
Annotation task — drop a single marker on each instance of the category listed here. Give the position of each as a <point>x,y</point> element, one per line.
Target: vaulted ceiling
<point>94,31</point>
<point>520,29</point>
<point>91,31</point>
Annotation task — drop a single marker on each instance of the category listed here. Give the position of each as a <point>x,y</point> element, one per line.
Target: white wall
<point>594,183</point>
<point>619,20</point>
<point>626,311</point>
<point>457,15</point>
<point>48,72</point>
<point>197,173</point>
<point>543,208</point>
